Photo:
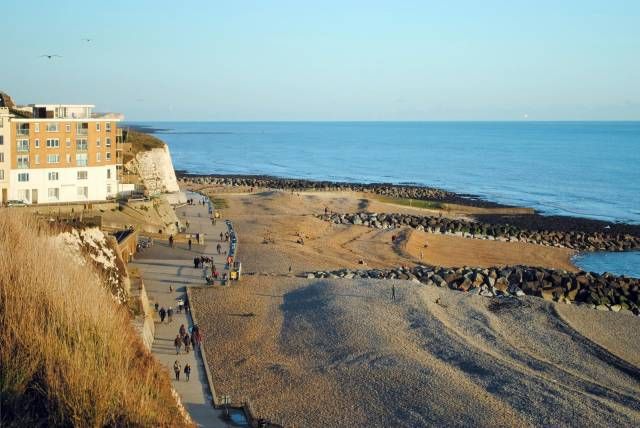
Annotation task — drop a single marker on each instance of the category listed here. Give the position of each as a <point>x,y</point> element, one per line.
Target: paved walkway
<point>163,267</point>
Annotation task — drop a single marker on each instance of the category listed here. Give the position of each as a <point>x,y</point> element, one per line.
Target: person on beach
<point>193,342</point>
<point>221,236</point>
<point>393,292</point>
<point>171,241</point>
<point>156,306</point>
<point>186,306</point>
<point>187,341</point>
<point>189,244</point>
<point>195,262</point>
<point>176,369</point>
<point>187,371</point>
<point>182,331</point>
<point>162,314</point>
<point>170,313</point>
<point>180,305</point>
<point>219,248</point>
<point>177,342</point>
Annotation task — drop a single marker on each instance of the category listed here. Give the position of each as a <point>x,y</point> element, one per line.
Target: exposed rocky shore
<point>581,241</point>
<point>389,190</point>
<point>602,292</point>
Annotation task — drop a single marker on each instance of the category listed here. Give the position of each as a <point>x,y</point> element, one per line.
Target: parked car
<point>16,203</point>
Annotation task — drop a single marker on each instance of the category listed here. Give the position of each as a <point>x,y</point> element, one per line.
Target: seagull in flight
<point>50,56</point>
<point>86,40</point>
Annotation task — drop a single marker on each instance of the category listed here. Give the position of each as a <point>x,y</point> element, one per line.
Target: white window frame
<point>23,177</point>
<point>22,161</point>
<point>53,127</point>
<point>21,144</point>
<point>67,127</point>
<point>97,126</point>
<point>53,176</point>
<point>98,157</point>
<point>1,156</point>
<point>82,159</point>
<point>56,193</point>
<point>107,142</point>
<point>36,159</point>
<point>36,143</point>
<point>53,158</point>
<point>53,143</point>
<point>107,126</point>
<point>36,127</point>
<point>1,174</point>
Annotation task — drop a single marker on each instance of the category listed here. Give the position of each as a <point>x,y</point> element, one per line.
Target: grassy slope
<point>69,354</point>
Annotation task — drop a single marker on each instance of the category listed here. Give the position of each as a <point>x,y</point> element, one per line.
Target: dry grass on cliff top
<point>69,354</point>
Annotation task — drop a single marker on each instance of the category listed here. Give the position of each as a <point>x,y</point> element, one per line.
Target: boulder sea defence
<point>580,241</point>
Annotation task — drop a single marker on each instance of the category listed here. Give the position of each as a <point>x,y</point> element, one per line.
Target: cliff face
<point>155,169</point>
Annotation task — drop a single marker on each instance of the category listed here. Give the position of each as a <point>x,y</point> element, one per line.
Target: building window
<point>23,129</point>
<point>23,161</point>
<point>107,126</point>
<point>68,158</point>
<point>53,158</point>
<point>67,127</point>
<point>23,177</point>
<point>98,126</point>
<point>36,159</point>
<point>53,176</point>
<point>54,194</point>
<point>81,145</point>
<point>108,173</point>
<point>81,159</point>
<point>36,127</point>
<point>108,189</point>
<point>36,143</point>
<point>108,142</point>
<point>98,142</point>
<point>82,128</point>
<point>52,127</point>
<point>108,156</point>
<point>98,157</point>
<point>1,140</point>
<point>22,145</point>
<point>53,143</point>
<point>82,175</point>
<point>24,194</point>
<point>1,174</point>
<point>1,157</point>
<point>83,192</point>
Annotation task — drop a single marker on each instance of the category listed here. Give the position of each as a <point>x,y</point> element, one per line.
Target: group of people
<point>224,237</point>
<point>201,261</point>
<point>192,201</point>
<point>177,368</point>
<point>183,339</point>
<point>165,313</point>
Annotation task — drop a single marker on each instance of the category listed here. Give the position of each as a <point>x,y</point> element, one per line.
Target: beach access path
<point>162,268</point>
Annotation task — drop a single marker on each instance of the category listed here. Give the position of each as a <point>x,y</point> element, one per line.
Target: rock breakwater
<point>580,241</point>
<point>382,189</point>
<point>599,291</point>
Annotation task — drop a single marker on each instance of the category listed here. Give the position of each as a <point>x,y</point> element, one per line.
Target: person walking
<point>221,236</point>
<point>195,263</point>
<point>189,244</point>
<point>186,306</point>
<point>162,313</point>
<point>171,241</point>
<point>156,306</point>
<point>187,341</point>
<point>177,342</point>
<point>393,292</point>
<point>219,248</point>
<point>180,305</point>
<point>182,331</point>
<point>170,313</point>
<point>176,369</point>
<point>187,371</point>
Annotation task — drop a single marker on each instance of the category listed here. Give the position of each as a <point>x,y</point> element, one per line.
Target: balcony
<point>22,131</point>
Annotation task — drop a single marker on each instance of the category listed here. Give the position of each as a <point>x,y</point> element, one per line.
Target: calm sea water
<point>589,169</point>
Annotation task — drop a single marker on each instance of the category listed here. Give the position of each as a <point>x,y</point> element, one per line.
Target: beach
<point>329,351</point>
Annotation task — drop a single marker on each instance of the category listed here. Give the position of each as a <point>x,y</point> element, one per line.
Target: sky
<point>328,60</point>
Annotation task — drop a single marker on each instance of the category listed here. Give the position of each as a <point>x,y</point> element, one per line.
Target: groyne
<point>580,241</point>
<point>600,291</point>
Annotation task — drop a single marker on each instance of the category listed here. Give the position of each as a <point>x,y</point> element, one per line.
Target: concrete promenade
<point>164,268</point>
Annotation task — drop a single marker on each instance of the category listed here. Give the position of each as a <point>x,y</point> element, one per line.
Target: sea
<point>585,169</point>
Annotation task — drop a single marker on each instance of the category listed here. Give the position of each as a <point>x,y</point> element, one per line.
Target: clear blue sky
<point>334,60</point>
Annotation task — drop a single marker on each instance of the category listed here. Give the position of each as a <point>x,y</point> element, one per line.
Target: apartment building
<point>63,153</point>
<point>5,153</point>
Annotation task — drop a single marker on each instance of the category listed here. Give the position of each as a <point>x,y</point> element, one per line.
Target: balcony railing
<point>23,131</point>
<point>82,131</point>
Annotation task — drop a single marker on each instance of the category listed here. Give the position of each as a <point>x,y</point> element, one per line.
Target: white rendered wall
<point>67,182</point>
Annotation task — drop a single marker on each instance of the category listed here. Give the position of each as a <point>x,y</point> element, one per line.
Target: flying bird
<point>50,56</point>
<point>86,40</point>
